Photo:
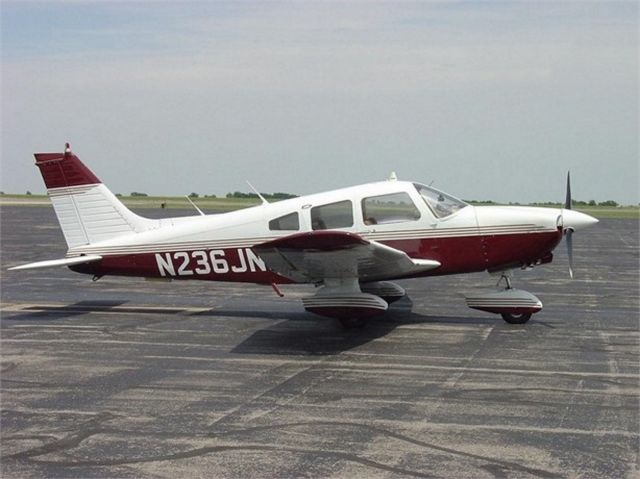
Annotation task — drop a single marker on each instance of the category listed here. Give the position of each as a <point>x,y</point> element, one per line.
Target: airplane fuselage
<point>218,247</point>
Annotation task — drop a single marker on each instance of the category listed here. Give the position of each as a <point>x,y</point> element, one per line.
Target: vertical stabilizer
<point>87,211</point>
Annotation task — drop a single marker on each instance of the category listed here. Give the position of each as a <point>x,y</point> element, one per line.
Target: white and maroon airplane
<point>349,242</point>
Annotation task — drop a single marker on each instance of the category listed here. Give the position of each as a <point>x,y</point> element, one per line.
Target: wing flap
<point>59,262</point>
<point>315,256</point>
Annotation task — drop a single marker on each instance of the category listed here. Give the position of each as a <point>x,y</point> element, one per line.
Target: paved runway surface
<point>126,378</point>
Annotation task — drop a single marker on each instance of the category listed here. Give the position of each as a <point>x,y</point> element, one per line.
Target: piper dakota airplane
<point>351,242</point>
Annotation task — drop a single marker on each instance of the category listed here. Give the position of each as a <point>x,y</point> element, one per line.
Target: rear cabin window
<point>290,222</point>
<point>392,208</point>
<point>333,215</point>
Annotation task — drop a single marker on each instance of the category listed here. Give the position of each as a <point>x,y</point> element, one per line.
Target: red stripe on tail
<point>64,169</point>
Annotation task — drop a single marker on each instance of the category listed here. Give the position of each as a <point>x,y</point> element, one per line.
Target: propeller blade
<point>568,237</point>
<point>567,201</point>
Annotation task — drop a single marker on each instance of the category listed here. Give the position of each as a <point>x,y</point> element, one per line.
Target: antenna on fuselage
<point>264,202</point>
<point>393,177</point>
<point>194,205</point>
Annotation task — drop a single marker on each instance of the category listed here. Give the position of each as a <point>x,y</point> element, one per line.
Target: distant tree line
<point>273,196</point>
<point>235,194</point>
<point>609,203</point>
<point>481,202</point>
<point>196,195</point>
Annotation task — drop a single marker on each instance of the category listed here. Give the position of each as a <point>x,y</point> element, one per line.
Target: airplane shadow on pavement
<point>311,336</point>
<point>293,333</point>
<point>307,334</point>
<point>37,312</point>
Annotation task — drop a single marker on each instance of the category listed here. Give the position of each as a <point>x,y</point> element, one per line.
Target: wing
<point>314,256</point>
<point>90,258</point>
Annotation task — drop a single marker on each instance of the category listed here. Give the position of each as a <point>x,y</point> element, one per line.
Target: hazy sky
<point>489,100</point>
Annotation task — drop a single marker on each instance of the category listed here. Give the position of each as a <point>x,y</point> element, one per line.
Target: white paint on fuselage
<point>250,226</point>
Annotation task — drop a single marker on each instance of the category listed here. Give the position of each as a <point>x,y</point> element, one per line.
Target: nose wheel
<point>512,318</point>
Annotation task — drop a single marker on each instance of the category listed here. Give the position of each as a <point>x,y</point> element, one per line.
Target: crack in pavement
<point>94,426</point>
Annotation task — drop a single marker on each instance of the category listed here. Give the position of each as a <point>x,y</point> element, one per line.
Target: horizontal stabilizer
<point>90,258</point>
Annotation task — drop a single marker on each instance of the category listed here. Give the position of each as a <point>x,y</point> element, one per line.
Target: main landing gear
<point>514,305</point>
<point>352,303</point>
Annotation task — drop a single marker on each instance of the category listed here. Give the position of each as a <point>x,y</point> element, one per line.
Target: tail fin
<point>87,211</point>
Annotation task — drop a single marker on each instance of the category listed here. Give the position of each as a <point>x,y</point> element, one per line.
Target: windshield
<point>440,203</point>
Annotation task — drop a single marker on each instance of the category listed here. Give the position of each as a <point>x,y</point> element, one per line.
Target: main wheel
<point>516,318</point>
<point>392,299</point>
<point>353,323</point>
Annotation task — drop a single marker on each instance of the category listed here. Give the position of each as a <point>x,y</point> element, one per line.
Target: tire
<point>392,299</point>
<point>353,323</point>
<point>516,318</point>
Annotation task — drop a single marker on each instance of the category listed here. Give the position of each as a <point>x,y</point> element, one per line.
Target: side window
<point>333,215</point>
<point>289,222</point>
<point>393,208</point>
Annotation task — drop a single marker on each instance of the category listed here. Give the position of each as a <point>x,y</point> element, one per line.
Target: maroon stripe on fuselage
<point>457,255</point>
<point>469,254</point>
<point>232,265</point>
<point>525,248</point>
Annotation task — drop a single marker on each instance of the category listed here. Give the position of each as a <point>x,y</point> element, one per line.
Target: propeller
<point>568,232</point>
<point>568,236</point>
<point>571,221</point>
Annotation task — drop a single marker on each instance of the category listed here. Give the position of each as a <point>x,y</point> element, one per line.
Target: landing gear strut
<point>507,280</point>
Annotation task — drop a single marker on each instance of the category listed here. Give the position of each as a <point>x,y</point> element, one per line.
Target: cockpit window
<point>333,215</point>
<point>289,222</point>
<point>393,208</point>
<point>441,204</point>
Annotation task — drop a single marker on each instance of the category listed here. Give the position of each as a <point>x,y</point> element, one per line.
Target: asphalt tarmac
<point>127,378</point>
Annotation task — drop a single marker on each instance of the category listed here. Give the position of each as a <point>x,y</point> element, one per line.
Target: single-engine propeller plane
<point>351,243</point>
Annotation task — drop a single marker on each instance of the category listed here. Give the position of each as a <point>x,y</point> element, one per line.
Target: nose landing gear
<point>516,306</point>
